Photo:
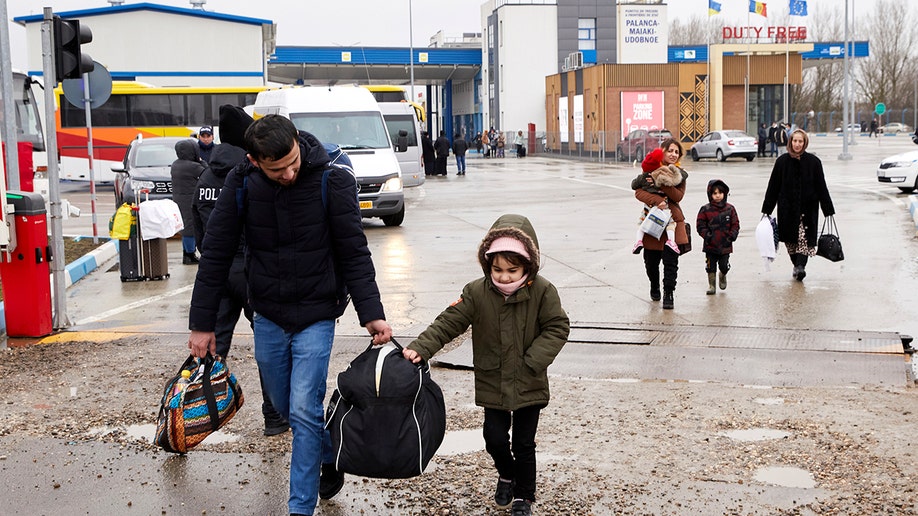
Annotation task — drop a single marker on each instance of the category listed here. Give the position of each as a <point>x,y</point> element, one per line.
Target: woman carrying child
<point>655,249</point>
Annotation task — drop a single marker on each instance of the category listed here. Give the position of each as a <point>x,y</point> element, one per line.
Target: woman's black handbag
<point>829,245</point>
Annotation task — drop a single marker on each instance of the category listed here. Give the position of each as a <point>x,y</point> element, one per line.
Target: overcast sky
<point>374,22</point>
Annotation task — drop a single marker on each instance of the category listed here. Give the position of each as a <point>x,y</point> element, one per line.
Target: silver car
<point>725,144</point>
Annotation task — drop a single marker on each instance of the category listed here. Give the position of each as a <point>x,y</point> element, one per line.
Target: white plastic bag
<point>765,238</point>
<point>159,219</point>
<point>655,222</point>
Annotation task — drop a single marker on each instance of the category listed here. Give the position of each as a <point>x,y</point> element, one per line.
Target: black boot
<point>668,302</point>
<point>655,292</point>
<point>801,266</point>
<point>189,258</point>
<point>793,260</point>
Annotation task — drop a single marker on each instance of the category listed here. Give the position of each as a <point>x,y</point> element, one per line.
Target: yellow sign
<point>422,57</point>
<point>345,57</point>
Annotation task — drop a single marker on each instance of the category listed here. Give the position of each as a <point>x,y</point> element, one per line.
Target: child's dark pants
<point>516,461</point>
<point>713,262</point>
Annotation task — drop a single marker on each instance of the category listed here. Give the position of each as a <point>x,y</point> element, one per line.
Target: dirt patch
<point>74,249</point>
<point>643,447</point>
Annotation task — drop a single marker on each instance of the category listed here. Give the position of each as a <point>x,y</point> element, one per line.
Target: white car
<point>900,170</point>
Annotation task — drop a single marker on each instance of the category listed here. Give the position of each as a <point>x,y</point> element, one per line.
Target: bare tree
<point>821,90</point>
<point>698,30</point>
<point>888,75</point>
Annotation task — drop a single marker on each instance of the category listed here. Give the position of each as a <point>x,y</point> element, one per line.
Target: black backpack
<point>386,416</point>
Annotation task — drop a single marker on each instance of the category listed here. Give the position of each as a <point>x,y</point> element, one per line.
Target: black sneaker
<point>521,508</point>
<point>330,482</point>
<point>503,494</point>
<point>275,424</point>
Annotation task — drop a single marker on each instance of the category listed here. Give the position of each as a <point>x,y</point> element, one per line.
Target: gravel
<point>605,447</point>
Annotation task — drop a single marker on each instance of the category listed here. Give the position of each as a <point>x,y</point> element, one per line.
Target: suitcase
<point>154,259</point>
<point>129,259</point>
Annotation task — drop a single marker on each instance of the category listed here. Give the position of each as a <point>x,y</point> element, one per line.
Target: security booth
<point>24,269</point>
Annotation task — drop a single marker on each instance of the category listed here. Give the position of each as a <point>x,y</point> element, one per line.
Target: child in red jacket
<point>718,225</point>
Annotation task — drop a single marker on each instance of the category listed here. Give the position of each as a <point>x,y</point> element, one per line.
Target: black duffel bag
<point>386,416</point>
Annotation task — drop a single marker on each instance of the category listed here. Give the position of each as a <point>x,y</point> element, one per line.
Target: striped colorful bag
<point>209,399</point>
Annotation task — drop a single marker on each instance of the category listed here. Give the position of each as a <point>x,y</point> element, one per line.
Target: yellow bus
<point>136,108</point>
<point>389,93</point>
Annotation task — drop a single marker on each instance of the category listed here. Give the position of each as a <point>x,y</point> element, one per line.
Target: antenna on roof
<point>116,3</point>
<point>196,4</point>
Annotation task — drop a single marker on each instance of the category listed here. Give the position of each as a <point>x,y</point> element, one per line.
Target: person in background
<point>486,143</point>
<point>493,134</point>
<point>428,154</point>
<point>762,140</point>
<point>501,144</point>
<point>477,142</point>
<point>518,328</point>
<point>874,128</point>
<point>655,249</point>
<point>442,148</point>
<point>718,225</point>
<point>781,138</point>
<point>205,142</point>
<point>460,146</point>
<point>233,300</point>
<point>772,146</point>
<point>304,259</point>
<point>185,172</point>
<point>520,143</point>
<point>797,186</point>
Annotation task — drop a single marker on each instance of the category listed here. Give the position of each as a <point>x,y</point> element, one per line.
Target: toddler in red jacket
<point>718,225</point>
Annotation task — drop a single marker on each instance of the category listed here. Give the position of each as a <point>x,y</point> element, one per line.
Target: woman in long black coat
<point>185,173</point>
<point>798,187</point>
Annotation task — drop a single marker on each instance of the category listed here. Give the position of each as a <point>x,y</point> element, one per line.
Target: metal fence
<point>831,121</point>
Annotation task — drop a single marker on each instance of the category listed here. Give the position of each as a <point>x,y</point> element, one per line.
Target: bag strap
<point>209,396</point>
<point>833,228</point>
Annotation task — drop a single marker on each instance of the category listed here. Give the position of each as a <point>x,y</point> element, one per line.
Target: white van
<point>401,116</point>
<point>350,117</point>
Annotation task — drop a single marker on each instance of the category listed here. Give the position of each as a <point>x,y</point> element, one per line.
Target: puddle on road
<point>769,401</point>
<point>147,432</point>
<point>786,477</point>
<point>755,434</point>
<point>461,441</point>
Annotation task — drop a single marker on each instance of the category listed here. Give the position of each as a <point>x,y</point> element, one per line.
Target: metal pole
<point>845,115</point>
<point>87,106</point>
<point>9,108</point>
<point>852,96</point>
<point>58,280</point>
<point>411,47</point>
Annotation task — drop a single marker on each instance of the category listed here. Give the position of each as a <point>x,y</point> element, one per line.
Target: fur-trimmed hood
<point>514,226</point>
<point>667,175</point>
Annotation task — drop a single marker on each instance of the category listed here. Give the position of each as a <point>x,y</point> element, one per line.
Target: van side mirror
<point>118,167</point>
<point>401,143</point>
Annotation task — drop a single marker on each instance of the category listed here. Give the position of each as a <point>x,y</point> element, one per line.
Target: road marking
<point>584,181</point>
<point>131,306</point>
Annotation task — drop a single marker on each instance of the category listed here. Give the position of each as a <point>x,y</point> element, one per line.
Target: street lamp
<point>411,46</point>
<point>846,120</point>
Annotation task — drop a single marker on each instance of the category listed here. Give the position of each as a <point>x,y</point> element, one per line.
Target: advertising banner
<point>578,118</point>
<point>641,110</point>
<point>562,119</point>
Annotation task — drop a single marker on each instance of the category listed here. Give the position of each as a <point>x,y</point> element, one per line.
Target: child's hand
<point>411,355</point>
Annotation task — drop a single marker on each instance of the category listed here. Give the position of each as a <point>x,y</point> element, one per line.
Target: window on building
<point>586,34</point>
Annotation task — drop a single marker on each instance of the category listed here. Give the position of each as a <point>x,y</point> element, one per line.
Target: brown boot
<point>712,288</point>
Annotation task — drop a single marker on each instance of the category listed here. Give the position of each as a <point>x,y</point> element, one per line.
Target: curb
<point>913,209</point>
<point>82,266</point>
<point>77,269</point>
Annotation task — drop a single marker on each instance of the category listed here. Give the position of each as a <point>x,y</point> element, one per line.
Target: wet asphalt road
<point>586,217</point>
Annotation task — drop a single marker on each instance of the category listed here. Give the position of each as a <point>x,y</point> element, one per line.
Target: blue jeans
<point>295,367</point>
<point>188,244</point>
<point>460,163</point>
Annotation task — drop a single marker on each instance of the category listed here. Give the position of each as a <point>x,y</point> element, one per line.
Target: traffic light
<point>69,61</point>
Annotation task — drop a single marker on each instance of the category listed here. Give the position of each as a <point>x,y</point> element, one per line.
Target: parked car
<point>145,171</point>
<point>900,170</point>
<point>896,128</point>
<point>725,144</point>
<point>639,142</point>
<point>852,127</point>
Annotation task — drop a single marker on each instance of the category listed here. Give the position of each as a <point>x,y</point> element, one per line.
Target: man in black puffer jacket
<point>233,301</point>
<point>303,257</point>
